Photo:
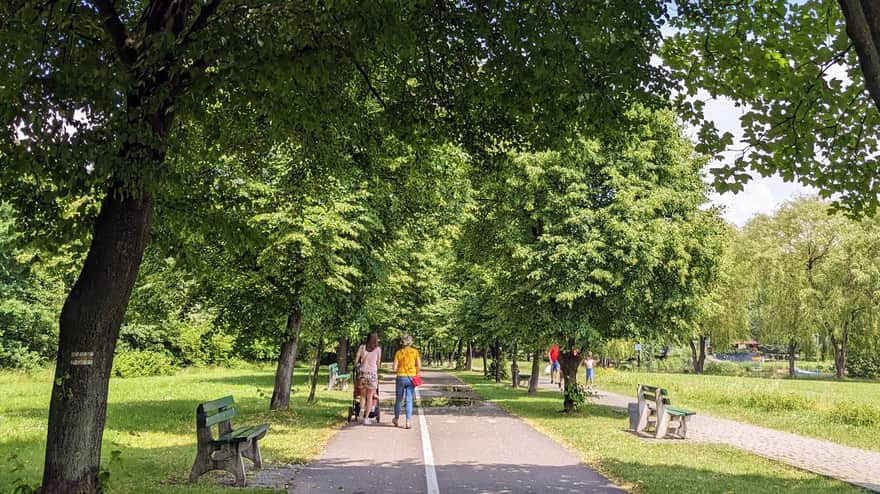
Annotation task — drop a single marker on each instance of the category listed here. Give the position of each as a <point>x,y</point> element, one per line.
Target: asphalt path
<point>478,448</point>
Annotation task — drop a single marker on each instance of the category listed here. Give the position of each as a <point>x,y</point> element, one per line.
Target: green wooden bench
<point>225,452</point>
<point>338,380</point>
<point>656,410</point>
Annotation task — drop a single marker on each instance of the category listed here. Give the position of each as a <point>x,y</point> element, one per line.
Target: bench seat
<point>242,434</point>
<point>679,412</point>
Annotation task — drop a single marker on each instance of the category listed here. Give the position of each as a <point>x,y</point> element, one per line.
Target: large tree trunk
<point>89,326</point>
<point>313,379</point>
<point>792,349</point>
<point>485,365</point>
<point>839,346</point>
<point>497,357</point>
<point>457,354</point>
<point>469,359</point>
<point>342,354</point>
<point>698,354</point>
<point>536,369</point>
<point>286,362</point>
<point>569,362</point>
<point>863,28</point>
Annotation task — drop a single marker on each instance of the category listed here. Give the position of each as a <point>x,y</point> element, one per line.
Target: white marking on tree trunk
<point>427,452</point>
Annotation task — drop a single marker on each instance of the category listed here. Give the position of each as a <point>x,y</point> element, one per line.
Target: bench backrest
<point>214,412</point>
<point>334,369</point>
<point>650,393</point>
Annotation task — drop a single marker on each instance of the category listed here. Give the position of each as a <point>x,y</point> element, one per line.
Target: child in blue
<point>590,363</point>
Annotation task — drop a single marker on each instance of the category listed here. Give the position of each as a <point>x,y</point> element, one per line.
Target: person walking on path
<point>555,368</point>
<point>407,365</point>
<point>590,363</point>
<point>368,357</point>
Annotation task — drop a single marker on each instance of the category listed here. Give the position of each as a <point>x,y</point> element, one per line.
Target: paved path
<point>472,449</point>
<point>853,465</point>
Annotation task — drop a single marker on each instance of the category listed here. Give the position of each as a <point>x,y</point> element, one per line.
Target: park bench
<point>655,409</point>
<point>338,380</point>
<point>225,452</point>
<point>522,377</point>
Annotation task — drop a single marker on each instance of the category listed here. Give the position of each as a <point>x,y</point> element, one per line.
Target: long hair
<point>372,341</point>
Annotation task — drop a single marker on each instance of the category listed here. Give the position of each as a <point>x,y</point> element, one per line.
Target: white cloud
<point>760,195</point>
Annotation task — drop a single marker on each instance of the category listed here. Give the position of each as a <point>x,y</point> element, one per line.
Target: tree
<point>603,239</point>
<point>723,311</point>
<point>799,71</point>
<point>97,95</point>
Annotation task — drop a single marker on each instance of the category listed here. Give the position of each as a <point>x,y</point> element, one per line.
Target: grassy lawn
<point>845,412</point>
<point>644,466</point>
<point>151,421</point>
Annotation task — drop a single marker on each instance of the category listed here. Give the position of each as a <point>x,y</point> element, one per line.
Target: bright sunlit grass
<point>151,421</point>
<point>845,412</point>
<point>599,435</point>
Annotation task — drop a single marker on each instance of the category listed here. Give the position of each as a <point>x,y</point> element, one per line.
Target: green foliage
<point>576,395</point>
<point>791,69</point>
<point>592,241</point>
<point>853,413</point>
<point>504,369</point>
<point>813,277</point>
<point>863,361</point>
<point>723,368</point>
<point>141,363</point>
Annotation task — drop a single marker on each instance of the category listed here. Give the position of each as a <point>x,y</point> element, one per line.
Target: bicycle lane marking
<point>427,451</point>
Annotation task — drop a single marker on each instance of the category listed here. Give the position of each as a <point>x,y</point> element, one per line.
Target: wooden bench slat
<point>679,411</point>
<point>243,434</point>
<point>216,404</point>
<point>219,417</point>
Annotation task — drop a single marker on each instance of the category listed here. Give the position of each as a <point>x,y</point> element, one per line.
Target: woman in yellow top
<point>407,364</point>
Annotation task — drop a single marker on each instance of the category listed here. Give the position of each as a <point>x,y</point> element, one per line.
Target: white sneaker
<point>367,421</point>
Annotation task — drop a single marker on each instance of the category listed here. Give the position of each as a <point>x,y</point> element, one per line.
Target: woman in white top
<point>368,356</point>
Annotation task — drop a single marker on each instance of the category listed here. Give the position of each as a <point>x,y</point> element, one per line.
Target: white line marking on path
<point>427,452</point>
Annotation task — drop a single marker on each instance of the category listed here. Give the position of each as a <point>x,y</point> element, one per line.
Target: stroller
<point>354,411</point>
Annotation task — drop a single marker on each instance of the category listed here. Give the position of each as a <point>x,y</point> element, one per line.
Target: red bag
<point>417,380</point>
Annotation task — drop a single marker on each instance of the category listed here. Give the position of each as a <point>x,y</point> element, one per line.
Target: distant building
<point>750,345</point>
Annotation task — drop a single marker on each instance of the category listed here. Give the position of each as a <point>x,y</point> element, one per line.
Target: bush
<point>852,413</point>
<point>505,369</point>
<point>140,363</point>
<point>723,368</point>
<point>15,355</point>
<point>863,362</point>
<point>764,400</point>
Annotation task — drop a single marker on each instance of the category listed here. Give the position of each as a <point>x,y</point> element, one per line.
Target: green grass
<point>598,434</point>
<point>845,412</point>
<point>151,421</point>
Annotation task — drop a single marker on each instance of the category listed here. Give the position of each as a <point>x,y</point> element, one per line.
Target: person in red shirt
<point>555,368</point>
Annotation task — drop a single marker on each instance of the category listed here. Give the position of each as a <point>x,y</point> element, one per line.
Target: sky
<point>760,195</point>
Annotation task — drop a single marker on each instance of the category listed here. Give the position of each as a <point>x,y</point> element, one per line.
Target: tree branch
<point>859,31</point>
<point>116,29</point>
<point>369,83</point>
<point>202,20</point>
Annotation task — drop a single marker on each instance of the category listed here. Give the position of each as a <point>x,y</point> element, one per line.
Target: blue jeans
<point>404,385</point>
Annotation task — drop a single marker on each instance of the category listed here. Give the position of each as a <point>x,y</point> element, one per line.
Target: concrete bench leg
<point>683,426</point>
<point>253,453</point>
<point>662,425</point>
<point>203,464</point>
